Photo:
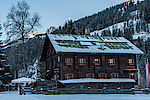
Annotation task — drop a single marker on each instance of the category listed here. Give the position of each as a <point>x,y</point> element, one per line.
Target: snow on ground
<point>32,70</point>
<point>15,96</point>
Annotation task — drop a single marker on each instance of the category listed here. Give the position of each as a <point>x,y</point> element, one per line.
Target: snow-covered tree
<point>147,48</point>
<point>140,44</point>
<point>1,58</point>
<point>41,70</point>
<point>5,75</point>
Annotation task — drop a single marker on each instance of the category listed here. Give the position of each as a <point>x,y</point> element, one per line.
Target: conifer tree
<point>131,27</point>
<point>1,58</point>
<point>140,44</point>
<point>147,14</point>
<point>128,35</point>
<point>68,28</point>
<point>120,33</point>
<point>5,75</point>
<point>138,27</point>
<point>147,48</point>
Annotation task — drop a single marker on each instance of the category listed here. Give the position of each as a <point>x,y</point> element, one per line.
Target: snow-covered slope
<point>99,32</point>
<point>141,33</point>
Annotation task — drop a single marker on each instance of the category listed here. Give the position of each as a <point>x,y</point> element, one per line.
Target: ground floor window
<point>132,75</point>
<point>89,75</point>
<point>69,76</point>
<point>68,61</point>
<point>114,75</point>
<point>102,75</point>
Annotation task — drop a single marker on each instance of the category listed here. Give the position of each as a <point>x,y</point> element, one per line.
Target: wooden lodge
<point>83,61</point>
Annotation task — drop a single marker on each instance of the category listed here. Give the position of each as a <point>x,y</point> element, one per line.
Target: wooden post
<point>61,61</point>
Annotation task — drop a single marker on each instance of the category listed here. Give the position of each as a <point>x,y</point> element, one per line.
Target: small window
<point>52,51</point>
<point>69,76</point>
<point>96,61</point>
<point>89,75</point>
<point>54,63</point>
<point>69,61</point>
<point>131,61</point>
<point>114,75</point>
<point>102,75</point>
<point>132,75</point>
<point>56,76</point>
<point>82,61</point>
<point>48,52</point>
<point>111,61</point>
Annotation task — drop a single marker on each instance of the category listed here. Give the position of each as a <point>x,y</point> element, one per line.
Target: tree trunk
<point>23,57</point>
<point>16,70</point>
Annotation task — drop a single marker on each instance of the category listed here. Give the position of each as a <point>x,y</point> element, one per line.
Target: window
<point>132,75</point>
<point>52,51</point>
<point>96,61</point>
<point>111,61</point>
<point>48,52</point>
<point>82,61</point>
<point>102,75</point>
<point>56,76</point>
<point>89,75</point>
<point>69,76</point>
<point>114,75</point>
<point>131,61</point>
<point>69,61</point>
<point>54,63</point>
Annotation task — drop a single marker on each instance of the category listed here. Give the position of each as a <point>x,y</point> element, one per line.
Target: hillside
<point>139,31</point>
<point>123,19</point>
<point>109,16</point>
<point>33,49</point>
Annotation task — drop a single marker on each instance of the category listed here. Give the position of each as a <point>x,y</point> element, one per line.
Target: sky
<point>57,12</point>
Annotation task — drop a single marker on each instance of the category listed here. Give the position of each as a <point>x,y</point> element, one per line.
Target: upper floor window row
<point>96,61</point>
<point>81,61</point>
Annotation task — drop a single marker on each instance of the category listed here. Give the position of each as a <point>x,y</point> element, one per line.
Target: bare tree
<point>20,22</point>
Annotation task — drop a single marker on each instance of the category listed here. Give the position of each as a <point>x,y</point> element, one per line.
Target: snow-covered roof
<point>92,44</point>
<point>23,80</point>
<point>91,80</point>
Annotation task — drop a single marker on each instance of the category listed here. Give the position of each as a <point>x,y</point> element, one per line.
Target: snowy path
<point>15,96</point>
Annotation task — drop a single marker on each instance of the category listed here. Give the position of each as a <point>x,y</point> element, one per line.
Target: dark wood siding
<point>53,66</point>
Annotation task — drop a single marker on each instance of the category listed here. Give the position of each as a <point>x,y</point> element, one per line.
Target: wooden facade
<point>73,65</point>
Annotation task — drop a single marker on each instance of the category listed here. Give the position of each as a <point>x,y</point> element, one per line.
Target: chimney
<point>87,31</point>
